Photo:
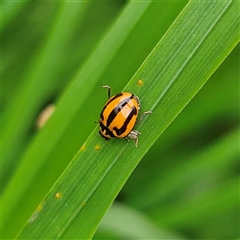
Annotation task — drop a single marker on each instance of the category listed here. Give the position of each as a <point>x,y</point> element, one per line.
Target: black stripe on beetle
<point>121,130</point>
<point>118,109</point>
<point>112,99</point>
<point>106,131</point>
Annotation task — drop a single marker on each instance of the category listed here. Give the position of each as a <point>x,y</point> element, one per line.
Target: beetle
<point>119,116</point>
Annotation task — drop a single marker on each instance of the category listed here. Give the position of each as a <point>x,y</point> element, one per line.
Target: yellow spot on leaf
<point>39,208</point>
<point>36,213</point>
<point>58,195</point>
<point>140,82</point>
<point>83,147</point>
<point>97,147</point>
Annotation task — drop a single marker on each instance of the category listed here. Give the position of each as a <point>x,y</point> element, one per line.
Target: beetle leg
<point>134,135</point>
<point>145,113</point>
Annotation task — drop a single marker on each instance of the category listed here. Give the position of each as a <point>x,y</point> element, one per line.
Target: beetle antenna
<point>109,90</point>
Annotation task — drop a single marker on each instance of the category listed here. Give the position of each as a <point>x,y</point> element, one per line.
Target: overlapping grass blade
<point>38,83</point>
<point>137,226</point>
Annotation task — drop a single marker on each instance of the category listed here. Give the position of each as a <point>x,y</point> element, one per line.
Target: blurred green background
<point>188,183</point>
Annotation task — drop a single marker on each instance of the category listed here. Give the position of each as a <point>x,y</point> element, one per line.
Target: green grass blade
<point>38,82</point>
<point>75,133</point>
<point>173,73</point>
<point>137,226</point>
<point>198,152</point>
<point>52,133</point>
<point>9,11</point>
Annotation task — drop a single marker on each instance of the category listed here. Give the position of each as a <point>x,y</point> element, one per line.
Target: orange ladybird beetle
<point>119,116</point>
